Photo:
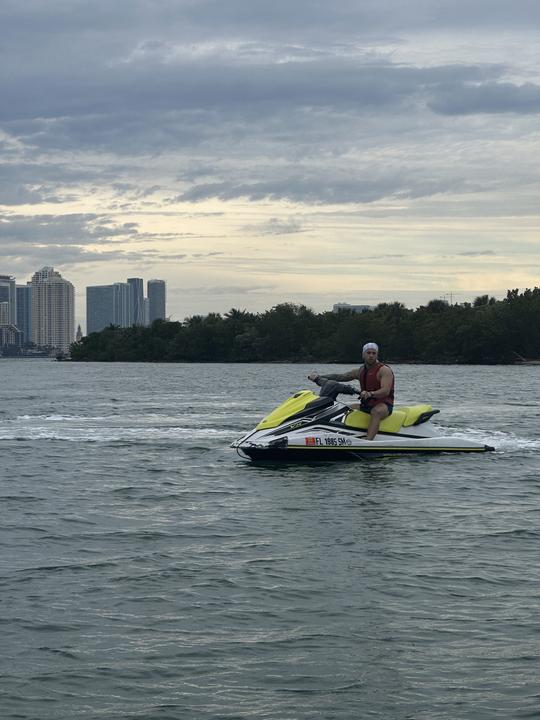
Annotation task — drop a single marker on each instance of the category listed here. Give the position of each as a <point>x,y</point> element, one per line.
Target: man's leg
<point>378,413</point>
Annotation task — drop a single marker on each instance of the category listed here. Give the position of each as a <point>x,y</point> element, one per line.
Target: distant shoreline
<point>528,363</point>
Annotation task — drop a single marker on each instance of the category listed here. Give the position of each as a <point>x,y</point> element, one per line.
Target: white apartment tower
<point>53,310</point>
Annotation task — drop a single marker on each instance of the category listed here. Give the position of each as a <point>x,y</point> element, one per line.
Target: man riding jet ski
<point>376,383</point>
<point>310,427</point>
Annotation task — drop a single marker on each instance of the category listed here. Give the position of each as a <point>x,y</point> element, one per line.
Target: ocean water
<point>147,571</point>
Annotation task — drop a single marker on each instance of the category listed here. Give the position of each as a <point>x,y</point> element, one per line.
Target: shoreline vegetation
<point>487,331</point>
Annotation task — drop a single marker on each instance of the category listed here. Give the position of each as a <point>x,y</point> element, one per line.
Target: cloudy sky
<point>252,152</point>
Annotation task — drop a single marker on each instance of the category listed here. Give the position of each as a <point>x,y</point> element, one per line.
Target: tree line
<point>485,331</point>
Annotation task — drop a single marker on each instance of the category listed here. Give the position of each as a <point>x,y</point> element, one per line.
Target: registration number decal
<point>337,441</point>
<point>328,441</point>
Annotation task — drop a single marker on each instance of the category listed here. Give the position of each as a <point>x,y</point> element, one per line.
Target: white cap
<point>370,346</point>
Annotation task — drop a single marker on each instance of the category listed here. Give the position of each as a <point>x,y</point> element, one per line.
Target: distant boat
<point>62,356</point>
<point>520,360</point>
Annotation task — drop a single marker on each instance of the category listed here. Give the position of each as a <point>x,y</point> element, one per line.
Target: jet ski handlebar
<point>332,388</point>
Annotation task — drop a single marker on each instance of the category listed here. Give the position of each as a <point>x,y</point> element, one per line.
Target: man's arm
<point>340,377</point>
<point>385,378</point>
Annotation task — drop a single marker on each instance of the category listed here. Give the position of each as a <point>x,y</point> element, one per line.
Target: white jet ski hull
<point>309,428</point>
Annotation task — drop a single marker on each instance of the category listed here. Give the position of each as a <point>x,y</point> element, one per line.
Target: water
<point>146,571</point>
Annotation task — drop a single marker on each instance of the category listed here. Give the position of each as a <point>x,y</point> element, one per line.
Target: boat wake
<point>500,440</point>
<point>114,428</point>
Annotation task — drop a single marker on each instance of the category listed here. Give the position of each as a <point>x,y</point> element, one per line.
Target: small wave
<point>113,434</point>
<point>515,533</point>
<point>58,651</point>
<point>138,418</point>
<point>61,418</point>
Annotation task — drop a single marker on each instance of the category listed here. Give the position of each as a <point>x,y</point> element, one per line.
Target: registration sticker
<point>337,441</point>
<point>313,441</point>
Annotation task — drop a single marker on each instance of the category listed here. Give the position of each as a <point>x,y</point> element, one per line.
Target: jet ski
<point>310,427</point>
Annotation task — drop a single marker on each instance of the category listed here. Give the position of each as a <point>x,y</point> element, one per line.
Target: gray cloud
<point>75,106</point>
<point>32,183</point>
<point>69,229</point>
<point>24,261</point>
<point>334,186</point>
<point>234,289</point>
<point>386,256</point>
<point>27,260</point>
<point>13,194</point>
<point>478,253</point>
<point>276,226</point>
<point>468,99</point>
<point>64,238</point>
<point>105,25</point>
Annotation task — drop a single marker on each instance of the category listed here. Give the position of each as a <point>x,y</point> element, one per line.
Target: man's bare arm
<point>340,377</point>
<point>386,377</point>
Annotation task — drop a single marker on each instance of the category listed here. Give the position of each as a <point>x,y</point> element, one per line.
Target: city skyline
<point>253,153</point>
<point>134,316</point>
<point>42,311</point>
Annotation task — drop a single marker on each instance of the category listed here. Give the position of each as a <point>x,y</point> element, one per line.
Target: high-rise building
<point>24,311</point>
<point>122,304</point>
<point>99,307</point>
<point>156,291</point>
<point>8,295</point>
<point>137,297</point>
<point>107,305</point>
<point>53,310</point>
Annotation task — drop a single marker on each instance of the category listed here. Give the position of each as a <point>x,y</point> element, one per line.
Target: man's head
<point>370,352</point>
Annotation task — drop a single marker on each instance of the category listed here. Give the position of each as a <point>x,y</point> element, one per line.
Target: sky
<point>252,152</point>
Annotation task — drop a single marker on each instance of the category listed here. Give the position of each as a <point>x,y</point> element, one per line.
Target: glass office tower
<point>156,300</point>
